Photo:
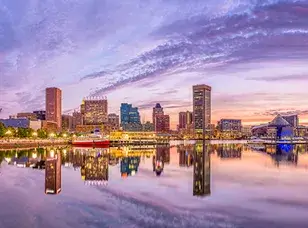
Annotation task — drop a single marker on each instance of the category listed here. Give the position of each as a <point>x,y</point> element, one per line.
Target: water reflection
<point>93,164</point>
<point>282,153</point>
<point>53,173</point>
<point>202,170</point>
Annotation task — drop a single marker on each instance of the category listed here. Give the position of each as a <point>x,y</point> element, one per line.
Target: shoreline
<point>18,144</point>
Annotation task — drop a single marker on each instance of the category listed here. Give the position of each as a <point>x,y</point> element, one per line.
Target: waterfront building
<point>49,126</point>
<point>40,115</point>
<point>246,131</point>
<point>53,174</point>
<point>130,118</point>
<point>27,115</point>
<point>291,119</point>
<point>148,126</point>
<point>283,127</point>
<point>202,171</point>
<point>94,110</point>
<point>185,119</point>
<point>114,121</point>
<point>77,119</point>
<point>54,106</point>
<point>67,122</point>
<point>21,123</point>
<point>231,125</point>
<point>162,123</point>
<point>157,110</point>
<point>201,108</point>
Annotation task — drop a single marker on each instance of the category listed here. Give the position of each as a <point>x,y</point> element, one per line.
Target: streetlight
<point>8,132</point>
<point>64,135</point>
<point>52,135</point>
<point>34,134</point>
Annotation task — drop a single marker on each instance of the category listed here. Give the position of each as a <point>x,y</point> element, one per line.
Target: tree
<point>42,134</point>
<point>2,129</point>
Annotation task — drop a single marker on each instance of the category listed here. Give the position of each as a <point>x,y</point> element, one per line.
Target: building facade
<point>201,108</point>
<point>162,123</point>
<point>67,122</point>
<point>40,115</point>
<point>114,121</point>
<point>292,120</point>
<point>230,125</point>
<point>157,110</point>
<point>94,110</point>
<point>130,118</point>
<point>148,126</point>
<point>27,115</point>
<point>54,106</point>
<point>185,119</point>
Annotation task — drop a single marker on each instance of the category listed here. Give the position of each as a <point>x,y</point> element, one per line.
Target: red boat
<point>91,142</point>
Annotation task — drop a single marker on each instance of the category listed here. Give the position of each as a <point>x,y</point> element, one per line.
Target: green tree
<point>2,129</point>
<point>42,134</point>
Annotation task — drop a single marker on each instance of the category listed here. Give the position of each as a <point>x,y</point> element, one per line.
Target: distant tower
<point>54,106</point>
<point>157,110</point>
<point>201,108</point>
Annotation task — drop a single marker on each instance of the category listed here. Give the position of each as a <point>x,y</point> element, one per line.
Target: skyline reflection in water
<point>93,163</point>
<point>242,186</point>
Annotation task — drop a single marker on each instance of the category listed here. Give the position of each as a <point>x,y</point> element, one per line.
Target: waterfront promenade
<point>30,143</point>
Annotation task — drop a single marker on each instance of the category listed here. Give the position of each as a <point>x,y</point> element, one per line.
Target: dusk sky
<point>253,53</point>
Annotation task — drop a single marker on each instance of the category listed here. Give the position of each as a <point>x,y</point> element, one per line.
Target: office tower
<point>114,121</point>
<point>130,118</point>
<point>185,119</point>
<point>94,110</point>
<point>129,114</point>
<point>157,110</point>
<point>202,170</point>
<point>162,123</point>
<point>54,106</point>
<point>230,125</point>
<point>40,115</point>
<point>292,120</point>
<point>53,174</point>
<point>201,108</point>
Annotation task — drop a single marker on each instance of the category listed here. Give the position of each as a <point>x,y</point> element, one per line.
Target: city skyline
<point>159,50</point>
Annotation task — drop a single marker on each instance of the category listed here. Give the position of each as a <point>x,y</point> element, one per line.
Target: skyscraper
<point>201,108</point>
<point>54,106</point>
<point>53,174</point>
<point>94,110</point>
<point>130,118</point>
<point>157,110</point>
<point>185,118</point>
<point>162,123</point>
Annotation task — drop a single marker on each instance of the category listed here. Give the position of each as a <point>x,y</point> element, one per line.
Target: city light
<point>8,132</point>
<point>52,153</point>
<point>51,135</point>
<point>34,134</point>
<point>34,155</point>
<point>64,135</point>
